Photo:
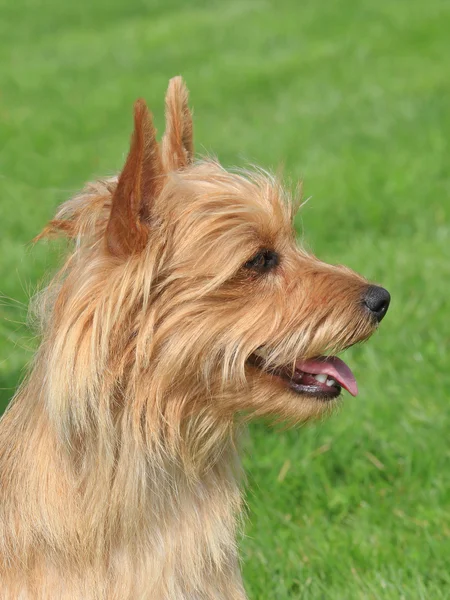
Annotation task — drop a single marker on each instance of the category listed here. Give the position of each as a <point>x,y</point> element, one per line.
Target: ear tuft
<point>140,182</point>
<point>177,143</point>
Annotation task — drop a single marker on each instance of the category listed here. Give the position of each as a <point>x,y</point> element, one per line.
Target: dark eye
<point>263,261</point>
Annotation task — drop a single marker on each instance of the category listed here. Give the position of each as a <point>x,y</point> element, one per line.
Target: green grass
<point>354,98</point>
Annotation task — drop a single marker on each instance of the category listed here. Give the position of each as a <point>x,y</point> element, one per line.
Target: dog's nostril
<point>377,300</point>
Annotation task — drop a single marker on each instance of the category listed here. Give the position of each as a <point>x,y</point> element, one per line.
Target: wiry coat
<point>119,476</point>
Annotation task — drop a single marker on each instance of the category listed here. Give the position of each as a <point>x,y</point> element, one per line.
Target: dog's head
<point>190,293</point>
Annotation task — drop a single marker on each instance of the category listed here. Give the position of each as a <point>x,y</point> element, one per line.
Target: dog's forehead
<point>236,201</point>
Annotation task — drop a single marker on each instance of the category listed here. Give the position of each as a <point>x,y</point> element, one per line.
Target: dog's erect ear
<point>177,143</point>
<point>141,181</point>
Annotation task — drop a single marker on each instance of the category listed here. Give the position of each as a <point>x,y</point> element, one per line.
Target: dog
<point>184,308</point>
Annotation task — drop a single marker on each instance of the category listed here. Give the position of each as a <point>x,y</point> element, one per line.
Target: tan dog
<point>185,307</point>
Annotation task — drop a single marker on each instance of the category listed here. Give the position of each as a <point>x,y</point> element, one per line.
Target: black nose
<point>377,300</point>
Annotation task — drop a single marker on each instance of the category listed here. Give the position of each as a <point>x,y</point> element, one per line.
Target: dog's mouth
<point>322,377</point>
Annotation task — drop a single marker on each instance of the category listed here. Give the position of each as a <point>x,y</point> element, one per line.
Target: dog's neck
<point>186,523</point>
<point>153,520</point>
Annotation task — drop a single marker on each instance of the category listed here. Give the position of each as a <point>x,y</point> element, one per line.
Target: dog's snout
<point>377,300</point>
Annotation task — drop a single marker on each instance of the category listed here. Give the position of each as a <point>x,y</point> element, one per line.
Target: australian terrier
<point>184,308</point>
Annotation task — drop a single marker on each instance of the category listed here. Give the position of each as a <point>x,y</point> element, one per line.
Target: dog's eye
<point>263,261</point>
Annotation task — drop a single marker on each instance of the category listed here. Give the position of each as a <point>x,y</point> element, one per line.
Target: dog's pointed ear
<point>140,182</point>
<point>177,143</point>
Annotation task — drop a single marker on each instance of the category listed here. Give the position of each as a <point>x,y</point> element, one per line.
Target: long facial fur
<point>125,429</point>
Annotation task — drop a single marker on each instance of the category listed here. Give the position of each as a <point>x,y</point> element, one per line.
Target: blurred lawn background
<point>353,97</point>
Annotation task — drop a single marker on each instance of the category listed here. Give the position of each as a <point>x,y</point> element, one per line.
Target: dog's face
<point>251,314</point>
<point>212,306</point>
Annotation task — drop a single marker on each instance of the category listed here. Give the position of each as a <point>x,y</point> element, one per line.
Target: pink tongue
<point>333,367</point>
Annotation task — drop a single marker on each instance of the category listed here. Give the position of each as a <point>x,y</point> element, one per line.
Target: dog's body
<point>185,302</point>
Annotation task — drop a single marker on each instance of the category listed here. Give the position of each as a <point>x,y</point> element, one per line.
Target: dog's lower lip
<point>317,391</point>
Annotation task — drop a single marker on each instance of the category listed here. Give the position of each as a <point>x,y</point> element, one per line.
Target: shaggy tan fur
<point>118,464</point>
